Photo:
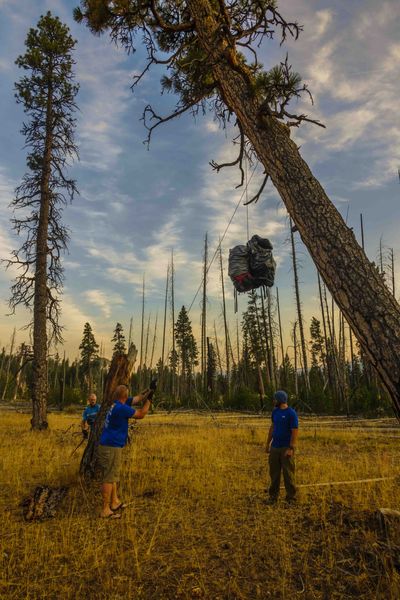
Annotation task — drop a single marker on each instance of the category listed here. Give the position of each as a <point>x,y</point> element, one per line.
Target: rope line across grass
<point>326,483</point>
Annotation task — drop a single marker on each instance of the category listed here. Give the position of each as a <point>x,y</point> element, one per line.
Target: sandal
<point>112,516</point>
<point>119,507</point>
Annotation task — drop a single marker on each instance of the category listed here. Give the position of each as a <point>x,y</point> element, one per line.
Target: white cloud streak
<point>352,67</point>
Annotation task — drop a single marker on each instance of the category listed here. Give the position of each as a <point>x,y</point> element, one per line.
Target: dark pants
<point>278,462</point>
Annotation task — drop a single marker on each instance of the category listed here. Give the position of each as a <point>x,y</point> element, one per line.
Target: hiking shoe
<point>289,503</point>
<point>270,501</point>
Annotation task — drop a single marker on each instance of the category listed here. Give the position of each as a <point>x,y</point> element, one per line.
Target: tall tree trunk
<point>3,355</point>
<point>164,328</point>
<point>269,368</point>
<point>392,272</point>
<point>141,339</point>
<point>261,390</point>
<point>296,376</point>
<point>119,373</point>
<point>173,323</point>
<point>63,385</point>
<point>217,347</point>
<point>210,372</point>
<point>39,364</point>
<point>362,232</point>
<point>231,349</point>
<point>264,346</point>
<point>327,357</point>
<point>381,256</point>
<point>130,332</point>
<point>299,311</point>
<point>19,374</point>
<point>281,339</point>
<point>9,365</point>
<point>204,321</point>
<point>332,356</point>
<point>147,340</point>
<point>154,343</point>
<point>237,342</point>
<point>358,289</point>
<point>224,315</point>
<point>273,361</point>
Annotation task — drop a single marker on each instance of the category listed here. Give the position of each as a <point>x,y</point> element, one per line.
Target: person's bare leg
<point>115,501</point>
<point>106,492</point>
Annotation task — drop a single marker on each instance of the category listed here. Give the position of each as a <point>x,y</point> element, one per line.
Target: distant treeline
<point>240,376</point>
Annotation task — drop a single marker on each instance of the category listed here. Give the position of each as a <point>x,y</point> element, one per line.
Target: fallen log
<point>119,373</point>
<point>43,503</point>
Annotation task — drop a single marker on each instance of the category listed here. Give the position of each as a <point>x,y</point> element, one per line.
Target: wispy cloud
<point>352,66</point>
<point>104,301</point>
<point>135,206</point>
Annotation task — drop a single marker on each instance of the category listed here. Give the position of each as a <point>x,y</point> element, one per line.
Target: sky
<point>137,204</point>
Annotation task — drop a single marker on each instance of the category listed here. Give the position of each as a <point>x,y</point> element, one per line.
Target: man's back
<point>115,431</point>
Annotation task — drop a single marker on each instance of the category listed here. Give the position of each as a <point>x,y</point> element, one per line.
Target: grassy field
<point>197,526</point>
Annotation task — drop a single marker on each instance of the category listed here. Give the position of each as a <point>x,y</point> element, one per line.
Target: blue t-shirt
<point>90,414</point>
<point>115,430</point>
<point>284,420</point>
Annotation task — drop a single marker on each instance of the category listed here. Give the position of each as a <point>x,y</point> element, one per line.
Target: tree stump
<point>119,373</point>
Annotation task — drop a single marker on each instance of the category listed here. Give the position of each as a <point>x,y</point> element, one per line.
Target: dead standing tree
<point>201,44</point>
<point>299,310</point>
<point>47,92</point>
<point>119,373</point>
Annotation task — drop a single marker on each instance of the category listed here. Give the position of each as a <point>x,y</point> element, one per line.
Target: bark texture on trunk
<point>39,364</point>
<point>119,373</point>
<point>354,282</point>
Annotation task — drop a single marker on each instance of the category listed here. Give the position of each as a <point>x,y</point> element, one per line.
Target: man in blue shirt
<point>89,415</point>
<point>113,438</point>
<point>281,444</point>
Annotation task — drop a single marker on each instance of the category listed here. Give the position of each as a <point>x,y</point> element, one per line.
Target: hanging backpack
<point>261,261</point>
<point>239,269</point>
<point>252,266</point>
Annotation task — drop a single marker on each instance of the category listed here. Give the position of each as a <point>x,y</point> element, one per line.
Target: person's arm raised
<point>140,397</point>
<point>140,413</point>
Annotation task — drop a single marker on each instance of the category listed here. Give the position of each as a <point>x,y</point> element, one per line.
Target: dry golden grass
<point>197,527</point>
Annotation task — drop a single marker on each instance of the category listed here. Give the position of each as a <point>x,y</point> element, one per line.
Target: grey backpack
<point>253,265</point>
<point>239,269</point>
<point>261,261</point>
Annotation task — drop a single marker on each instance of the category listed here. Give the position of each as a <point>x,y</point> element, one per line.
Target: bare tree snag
<point>164,328</point>
<point>119,373</point>
<point>225,319</point>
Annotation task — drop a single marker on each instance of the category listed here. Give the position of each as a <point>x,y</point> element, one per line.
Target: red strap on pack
<point>242,277</point>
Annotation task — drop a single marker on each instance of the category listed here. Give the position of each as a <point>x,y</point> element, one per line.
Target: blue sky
<point>135,205</point>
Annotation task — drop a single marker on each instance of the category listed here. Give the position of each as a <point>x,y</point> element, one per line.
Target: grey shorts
<point>109,461</point>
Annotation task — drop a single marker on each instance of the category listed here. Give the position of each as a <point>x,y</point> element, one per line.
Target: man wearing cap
<point>281,445</point>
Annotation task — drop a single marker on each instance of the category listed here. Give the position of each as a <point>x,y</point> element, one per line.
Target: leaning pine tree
<point>209,49</point>
<point>47,92</point>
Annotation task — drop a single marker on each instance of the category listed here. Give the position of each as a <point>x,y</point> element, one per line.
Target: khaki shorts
<point>109,461</point>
